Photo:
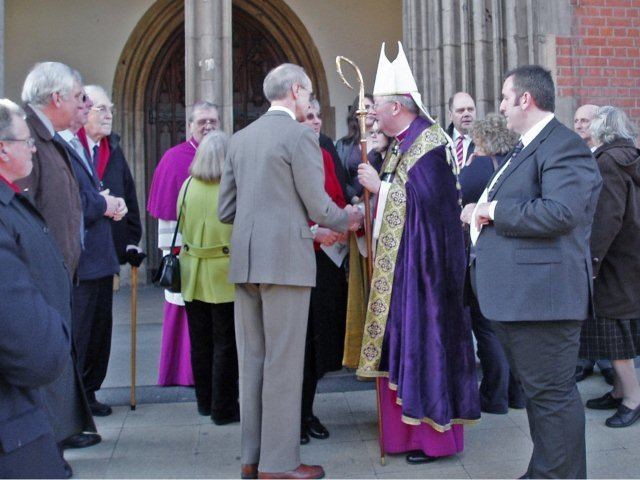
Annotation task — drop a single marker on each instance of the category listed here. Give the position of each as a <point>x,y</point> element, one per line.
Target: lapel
<point>76,158</point>
<point>524,154</point>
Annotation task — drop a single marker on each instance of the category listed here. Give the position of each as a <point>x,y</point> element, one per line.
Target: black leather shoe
<point>609,375</point>
<point>81,440</point>
<point>418,456</point>
<point>605,402</point>
<point>68,471</point>
<point>226,420</point>
<point>624,417</point>
<point>582,373</point>
<point>304,436</point>
<point>99,409</point>
<point>315,429</point>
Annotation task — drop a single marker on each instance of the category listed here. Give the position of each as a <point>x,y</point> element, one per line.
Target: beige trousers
<point>271,326</point>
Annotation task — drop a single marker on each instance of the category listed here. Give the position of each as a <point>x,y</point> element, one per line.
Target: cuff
<point>492,210</point>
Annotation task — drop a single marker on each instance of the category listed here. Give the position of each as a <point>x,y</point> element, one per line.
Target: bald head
<point>462,111</point>
<point>582,121</point>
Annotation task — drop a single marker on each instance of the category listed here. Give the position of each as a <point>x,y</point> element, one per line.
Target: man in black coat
<point>35,315</point>
<point>115,174</point>
<point>533,271</point>
<point>93,294</point>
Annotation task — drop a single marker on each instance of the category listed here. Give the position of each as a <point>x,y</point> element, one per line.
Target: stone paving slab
<point>173,441</point>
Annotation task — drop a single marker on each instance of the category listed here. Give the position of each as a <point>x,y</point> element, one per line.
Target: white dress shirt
<point>278,108</point>
<point>526,139</point>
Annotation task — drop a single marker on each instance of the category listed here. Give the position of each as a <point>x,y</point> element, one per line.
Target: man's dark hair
<point>538,82</point>
<point>451,102</point>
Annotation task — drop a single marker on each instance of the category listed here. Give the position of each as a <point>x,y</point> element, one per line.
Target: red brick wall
<point>600,62</point>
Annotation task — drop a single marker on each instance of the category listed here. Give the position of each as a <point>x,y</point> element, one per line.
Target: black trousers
<point>310,378</point>
<point>92,323</point>
<point>498,389</point>
<point>214,359</point>
<point>543,356</point>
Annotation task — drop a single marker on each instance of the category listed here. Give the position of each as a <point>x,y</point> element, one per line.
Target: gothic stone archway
<point>149,87</point>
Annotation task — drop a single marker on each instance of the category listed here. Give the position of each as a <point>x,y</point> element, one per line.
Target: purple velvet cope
<point>427,348</point>
<point>170,174</point>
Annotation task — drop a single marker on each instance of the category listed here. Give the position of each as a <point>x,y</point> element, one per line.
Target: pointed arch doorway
<point>149,84</point>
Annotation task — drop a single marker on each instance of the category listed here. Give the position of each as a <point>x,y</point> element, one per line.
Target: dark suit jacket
<point>54,190</point>
<point>533,262</point>
<point>35,311</point>
<point>118,179</point>
<point>472,146</point>
<point>473,178</point>
<point>98,258</point>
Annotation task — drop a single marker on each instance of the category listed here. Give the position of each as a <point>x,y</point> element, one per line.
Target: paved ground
<point>172,441</point>
<point>169,439</point>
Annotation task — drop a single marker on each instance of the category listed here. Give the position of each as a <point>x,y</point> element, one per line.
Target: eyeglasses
<point>377,105</point>
<point>374,133</point>
<point>30,142</point>
<point>311,116</point>
<point>207,121</point>
<point>103,109</point>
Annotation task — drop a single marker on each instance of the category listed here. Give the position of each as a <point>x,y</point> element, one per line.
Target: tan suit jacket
<point>273,182</point>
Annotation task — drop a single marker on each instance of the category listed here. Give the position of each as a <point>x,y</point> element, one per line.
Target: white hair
<point>8,111</point>
<point>91,90</point>
<point>611,123</point>
<point>279,81</point>
<point>47,78</point>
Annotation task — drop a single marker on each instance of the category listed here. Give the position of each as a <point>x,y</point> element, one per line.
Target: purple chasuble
<point>427,347</point>
<point>168,178</point>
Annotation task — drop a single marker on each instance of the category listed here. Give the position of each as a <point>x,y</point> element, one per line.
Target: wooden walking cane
<point>134,319</point>
<point>362,114</point>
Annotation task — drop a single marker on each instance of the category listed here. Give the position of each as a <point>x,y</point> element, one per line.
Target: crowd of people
<point>510,228</point>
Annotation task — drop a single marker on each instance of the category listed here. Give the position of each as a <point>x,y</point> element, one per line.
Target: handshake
<point>355,217</point>
<point>116,207</point>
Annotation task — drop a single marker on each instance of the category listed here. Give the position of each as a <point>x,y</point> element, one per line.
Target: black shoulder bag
<point>168,274</point>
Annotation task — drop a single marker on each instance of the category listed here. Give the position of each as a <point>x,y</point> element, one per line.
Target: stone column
<point>208,56</point>
<point>468,45</point>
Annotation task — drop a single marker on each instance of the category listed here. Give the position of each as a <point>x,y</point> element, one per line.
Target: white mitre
<point>395,78</point>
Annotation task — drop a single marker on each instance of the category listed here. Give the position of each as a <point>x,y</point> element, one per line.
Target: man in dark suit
<point>462,114</point>
<point>35,344</point>
<point>53,94</point>
<point>93,292</point>
<point>532,270</point>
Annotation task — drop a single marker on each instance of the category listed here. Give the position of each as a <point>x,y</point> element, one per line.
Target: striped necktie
<point>460,151</point>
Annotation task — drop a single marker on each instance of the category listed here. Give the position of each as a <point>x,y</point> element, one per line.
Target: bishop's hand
<point>369,178</point>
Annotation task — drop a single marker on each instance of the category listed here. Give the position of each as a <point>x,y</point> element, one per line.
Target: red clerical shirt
<point>11,184</point>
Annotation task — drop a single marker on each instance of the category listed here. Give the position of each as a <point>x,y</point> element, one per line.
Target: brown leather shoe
<point>303,471</point>
<point>249,470</point>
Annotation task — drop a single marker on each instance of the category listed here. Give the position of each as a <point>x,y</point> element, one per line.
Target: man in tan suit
<point>273,182</point>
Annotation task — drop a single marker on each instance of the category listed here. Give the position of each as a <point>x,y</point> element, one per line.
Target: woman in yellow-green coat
<point>208,297</point>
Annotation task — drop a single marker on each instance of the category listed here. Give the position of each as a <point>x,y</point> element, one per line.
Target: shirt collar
<point>533,132</point>
<point>457,134</point>
<point>91,143</point>
<point>400,136</point>
<point>67,135</point>
<point>44,119</point>
<point>12,185</point>
<point>279,108</point>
